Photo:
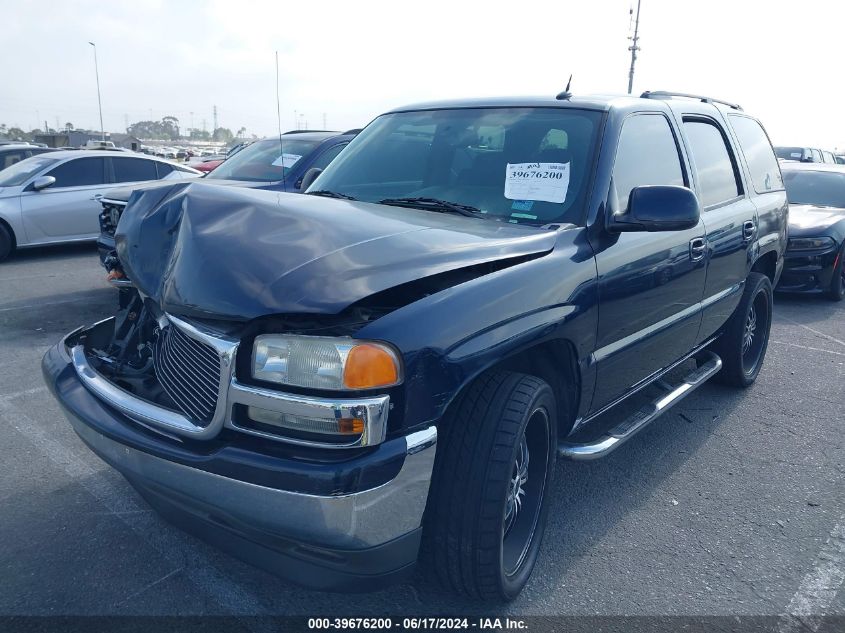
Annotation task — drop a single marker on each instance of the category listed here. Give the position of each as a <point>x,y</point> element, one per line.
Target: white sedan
<point>54,198</point>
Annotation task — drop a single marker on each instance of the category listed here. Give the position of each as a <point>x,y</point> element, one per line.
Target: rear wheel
<point>742,346</point>
<point>7,242</point>
<point>836,292</point>
<point>487,506</point>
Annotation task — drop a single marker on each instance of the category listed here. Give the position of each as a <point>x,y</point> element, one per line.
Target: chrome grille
<point>189,371</point>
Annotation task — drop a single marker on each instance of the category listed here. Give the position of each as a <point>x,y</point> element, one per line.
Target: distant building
<point>126,141</point>
<point>74,138</point>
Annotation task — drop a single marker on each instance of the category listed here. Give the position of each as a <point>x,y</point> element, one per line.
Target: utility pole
<point>324,120</point>
<point>215,117</point>
<point>634,48</point>
<point>99,101</point>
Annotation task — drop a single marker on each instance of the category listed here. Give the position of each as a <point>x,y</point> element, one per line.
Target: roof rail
<point>659,94</point>
<point>303,131</point>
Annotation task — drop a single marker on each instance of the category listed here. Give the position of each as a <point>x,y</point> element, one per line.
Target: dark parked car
<point>815,255</point>
<point>273,164</point>
<point>11,154</point>
<point>336,384</point>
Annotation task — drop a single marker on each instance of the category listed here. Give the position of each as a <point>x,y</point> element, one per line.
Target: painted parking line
<point>176,549</point>
<point>819,587</point>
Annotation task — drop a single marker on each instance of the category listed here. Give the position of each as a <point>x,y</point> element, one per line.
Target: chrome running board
<point>709,365</point>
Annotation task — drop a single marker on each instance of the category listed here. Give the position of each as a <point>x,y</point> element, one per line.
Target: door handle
<point>697,249</point>
<point>748,230</point>
<point>96,197</point>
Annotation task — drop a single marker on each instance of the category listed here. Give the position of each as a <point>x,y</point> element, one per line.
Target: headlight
<point>810,243</point>
<point>318,362</point>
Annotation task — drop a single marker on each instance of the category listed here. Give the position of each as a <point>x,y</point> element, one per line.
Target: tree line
<point>166,129</point>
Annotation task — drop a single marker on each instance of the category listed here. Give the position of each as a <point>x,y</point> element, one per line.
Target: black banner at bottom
<point>524,624</point>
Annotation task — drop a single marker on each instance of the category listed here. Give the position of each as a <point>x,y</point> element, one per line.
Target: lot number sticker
<point>546,182</point>
<point>286,160</point>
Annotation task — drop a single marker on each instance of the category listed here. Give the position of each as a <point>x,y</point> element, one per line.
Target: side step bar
<point>709,365</point>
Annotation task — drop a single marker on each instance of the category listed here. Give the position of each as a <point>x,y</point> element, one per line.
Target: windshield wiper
<point>435,204</point>
<point>330,194</point>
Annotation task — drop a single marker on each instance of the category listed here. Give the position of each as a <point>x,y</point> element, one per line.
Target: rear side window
<point>647,155</point>
<point>717,177</point>
<point>133,169</point>
<point>762,163</point>
<point>817,156</point>
<point>79,173</point>
<point>163,168</point>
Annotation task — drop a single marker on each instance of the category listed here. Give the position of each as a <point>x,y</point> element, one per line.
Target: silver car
<point>54,198</point>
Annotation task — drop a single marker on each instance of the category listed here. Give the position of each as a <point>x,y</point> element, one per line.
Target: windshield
<point>820,188</point>
<point>263,161</point>
<point>20,172</point>
<point>520,165</point>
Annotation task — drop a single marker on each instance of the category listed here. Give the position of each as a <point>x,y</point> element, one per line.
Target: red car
<point>208,165</point>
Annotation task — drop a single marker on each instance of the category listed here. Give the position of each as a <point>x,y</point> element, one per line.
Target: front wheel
<point>488,500</point>
<point>836,292</point>
<point>742,346</point>
<point>7,242</point>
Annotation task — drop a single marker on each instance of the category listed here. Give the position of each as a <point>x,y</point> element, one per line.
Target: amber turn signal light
<point>369,366</point>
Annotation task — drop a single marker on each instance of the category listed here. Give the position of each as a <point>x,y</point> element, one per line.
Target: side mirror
<point>309,177</point>
<point>657,208</point>
<point>42,182</point>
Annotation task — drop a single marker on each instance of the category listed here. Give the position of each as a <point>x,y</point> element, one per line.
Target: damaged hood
<point>219,252</point>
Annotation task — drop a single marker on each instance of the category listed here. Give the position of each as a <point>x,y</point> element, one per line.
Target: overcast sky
<point>352,60</point>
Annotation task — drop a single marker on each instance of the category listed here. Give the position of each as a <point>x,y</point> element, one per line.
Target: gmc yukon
<point>384,370</point>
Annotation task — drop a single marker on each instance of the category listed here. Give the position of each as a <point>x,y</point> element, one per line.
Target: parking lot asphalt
<point>732,504</point>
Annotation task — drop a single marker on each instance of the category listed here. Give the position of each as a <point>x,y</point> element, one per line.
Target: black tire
<point>742,357</point>
<point>472,544</point>
<point>7,242</point>
<point>836,292</point>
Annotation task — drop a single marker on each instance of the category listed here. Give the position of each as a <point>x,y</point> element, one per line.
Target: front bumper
<point>808,271</point>
<point>348,524</point>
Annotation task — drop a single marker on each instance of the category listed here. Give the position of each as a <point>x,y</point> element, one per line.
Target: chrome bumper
<point>353,521</point>
<point>373,410</point>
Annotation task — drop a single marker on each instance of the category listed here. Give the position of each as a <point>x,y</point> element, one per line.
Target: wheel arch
<point>555,361</point>
<point>767,264</point>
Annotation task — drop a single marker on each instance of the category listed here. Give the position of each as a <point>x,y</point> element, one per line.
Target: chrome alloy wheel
<point>516,490</point>
<point>750,329</point>
<point>525,491</point>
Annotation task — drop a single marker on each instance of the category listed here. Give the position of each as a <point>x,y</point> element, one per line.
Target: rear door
<point>727,210</point>
<point>68,210</point>
<point>650,284</point>
<point>129,169</point>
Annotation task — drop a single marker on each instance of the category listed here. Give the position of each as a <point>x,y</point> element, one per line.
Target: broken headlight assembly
<point>326,363</point>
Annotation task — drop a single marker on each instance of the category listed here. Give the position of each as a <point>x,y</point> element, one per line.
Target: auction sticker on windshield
<point>544,182</point>
<point>286,160</point>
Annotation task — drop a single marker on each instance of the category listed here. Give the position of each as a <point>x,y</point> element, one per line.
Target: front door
<point>68,209</point>
<point>650,284</point>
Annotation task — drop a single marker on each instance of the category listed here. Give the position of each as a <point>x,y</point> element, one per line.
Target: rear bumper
<point>352,525</point>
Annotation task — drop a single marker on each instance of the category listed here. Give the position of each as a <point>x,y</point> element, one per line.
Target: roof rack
<point>659,94</point>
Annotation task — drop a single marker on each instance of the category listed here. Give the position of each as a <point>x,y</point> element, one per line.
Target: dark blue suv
<point>275,164</point>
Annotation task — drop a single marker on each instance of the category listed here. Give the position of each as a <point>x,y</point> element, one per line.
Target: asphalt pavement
<point>732,504</point>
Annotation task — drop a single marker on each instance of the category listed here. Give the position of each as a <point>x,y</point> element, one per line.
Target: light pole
<point>99,101</point>
<point>634,48</point>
